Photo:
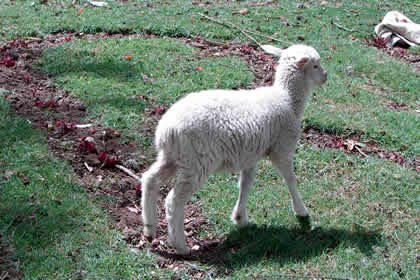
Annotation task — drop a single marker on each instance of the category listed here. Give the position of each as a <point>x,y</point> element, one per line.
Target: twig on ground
<point>90,169</point>
<point>128,171</point>
<point>244,31</point>
<point>83,125</point>
<point>360,151</point>
<point>231,25</point>
<point>269,37</point>
<point>342,27</point>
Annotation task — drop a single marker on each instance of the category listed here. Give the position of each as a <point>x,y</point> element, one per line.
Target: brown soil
<point>33,96</point>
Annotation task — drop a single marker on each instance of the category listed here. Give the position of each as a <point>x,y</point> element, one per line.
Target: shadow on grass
<point>60,62</point>
<point>35,223</point>
<point>283,245</point>
<point>253,244</point>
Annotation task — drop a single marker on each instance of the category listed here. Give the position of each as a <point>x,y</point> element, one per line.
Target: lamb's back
<point>230,123</point>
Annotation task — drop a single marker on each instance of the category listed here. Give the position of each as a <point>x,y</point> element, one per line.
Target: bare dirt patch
<point>94,150</point>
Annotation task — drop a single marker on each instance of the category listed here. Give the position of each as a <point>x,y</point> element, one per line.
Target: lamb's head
<point>298,62</point>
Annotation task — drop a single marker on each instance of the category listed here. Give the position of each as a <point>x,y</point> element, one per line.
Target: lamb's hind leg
<point>187,183</point>
<point>285,166</point>
<point>239,211</point>
<point>158,174</point>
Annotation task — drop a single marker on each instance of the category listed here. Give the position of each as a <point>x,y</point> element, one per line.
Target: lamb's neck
<point>296,88</point>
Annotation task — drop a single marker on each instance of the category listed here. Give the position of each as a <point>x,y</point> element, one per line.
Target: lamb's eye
<point>315,66</point>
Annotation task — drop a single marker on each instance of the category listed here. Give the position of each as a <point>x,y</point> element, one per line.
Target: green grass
<point>364,210</point>
<point>98,73</point>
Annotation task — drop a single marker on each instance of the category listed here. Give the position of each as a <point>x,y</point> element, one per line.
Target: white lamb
<point>227,130</point>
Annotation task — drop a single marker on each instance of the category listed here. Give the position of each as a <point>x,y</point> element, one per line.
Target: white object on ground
<point>98,3</point>
<point>395,26</point>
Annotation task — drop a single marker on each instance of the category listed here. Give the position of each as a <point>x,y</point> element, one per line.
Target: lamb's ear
<point>272,50</point>
<point>301,62</point>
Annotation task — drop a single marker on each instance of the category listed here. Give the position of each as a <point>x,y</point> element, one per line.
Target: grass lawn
<point>364,210</point>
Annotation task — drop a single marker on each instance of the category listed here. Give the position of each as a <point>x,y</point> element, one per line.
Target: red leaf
<point>159,110</point>
<point>111,161</point>
<point>68,126</point>
<point>27,78</point>
<point>68,38</point>
<point>8,61</point>
<point>14,43</point>
<point>138,188</point>
<point>102,156</point>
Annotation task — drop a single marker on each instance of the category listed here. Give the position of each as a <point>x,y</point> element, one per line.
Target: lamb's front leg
<point>285,166</point>
<point>246,179</point>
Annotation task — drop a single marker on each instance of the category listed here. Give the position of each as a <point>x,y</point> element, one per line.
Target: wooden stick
<point>269,37</point>
<point>90,169</point>
<point>342,27</point>
<point>360,151</point>
<point>244,31</point>
<point>229,24</point>
<point>128,171</point>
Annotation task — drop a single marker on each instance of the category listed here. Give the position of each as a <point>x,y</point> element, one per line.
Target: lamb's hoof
<point>305,222</point>
<point>239,221</point>
<point>171,242</point>
<point>149,232</point>
<point>184,251</point>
